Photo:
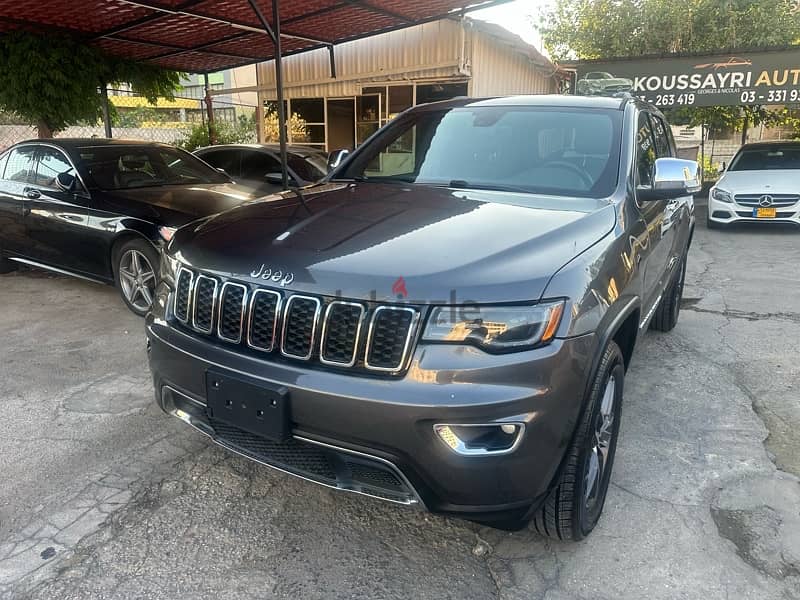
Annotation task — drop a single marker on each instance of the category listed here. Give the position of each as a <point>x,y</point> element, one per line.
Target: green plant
<point>243,131</point>
<point>297,125</point>
<point>710,170</point>
<point>54,81</point>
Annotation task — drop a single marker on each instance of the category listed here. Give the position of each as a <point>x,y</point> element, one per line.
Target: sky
<point>518,16</point>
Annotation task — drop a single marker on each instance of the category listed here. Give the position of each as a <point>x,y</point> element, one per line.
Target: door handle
<point>32,193</point>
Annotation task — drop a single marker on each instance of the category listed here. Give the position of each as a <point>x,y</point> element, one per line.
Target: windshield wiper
<point>494,187</point>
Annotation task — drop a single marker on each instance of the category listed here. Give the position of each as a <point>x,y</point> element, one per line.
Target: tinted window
<point>645,152</point>
<point>767,159</point>
<point>660,134</point>
<point>304,168</point>
<point>224,158</point>
<point>119,167</point>
<point>545,150</point>
<point>51,163</point>
<point>20,164</point>
<point>255,165</point>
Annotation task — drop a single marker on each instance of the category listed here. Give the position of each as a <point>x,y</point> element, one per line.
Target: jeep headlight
<point>721,195</point>
<point>495,328</point>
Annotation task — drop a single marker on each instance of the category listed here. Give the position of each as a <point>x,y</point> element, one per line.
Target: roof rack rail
<point>625,96</point>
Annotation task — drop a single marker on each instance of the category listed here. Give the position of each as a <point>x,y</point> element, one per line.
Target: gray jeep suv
<point>447,318</point>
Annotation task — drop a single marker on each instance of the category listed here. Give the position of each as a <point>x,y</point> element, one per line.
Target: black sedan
<point>102,209</point>
<point>258,166</point>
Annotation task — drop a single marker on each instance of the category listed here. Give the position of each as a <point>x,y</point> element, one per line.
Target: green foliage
<point>53,82</point>
<point>134,117</point>
<point>616,28</point>
<point>710,170</point>
<point>243,131</point>
<point>589,29</point>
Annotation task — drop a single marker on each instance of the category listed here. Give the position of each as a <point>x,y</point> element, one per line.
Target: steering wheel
<point>587,179</point>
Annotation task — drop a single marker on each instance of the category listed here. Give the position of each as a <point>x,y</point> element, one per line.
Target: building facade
<point>381,76</point>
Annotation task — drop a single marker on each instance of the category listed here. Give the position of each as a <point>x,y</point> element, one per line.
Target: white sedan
<point>762,183</point>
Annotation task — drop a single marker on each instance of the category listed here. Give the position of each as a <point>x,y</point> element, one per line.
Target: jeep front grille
<point>332,332</point>
<point>205,298</point>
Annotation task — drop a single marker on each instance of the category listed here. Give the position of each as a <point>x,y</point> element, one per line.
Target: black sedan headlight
<point>495,329</point>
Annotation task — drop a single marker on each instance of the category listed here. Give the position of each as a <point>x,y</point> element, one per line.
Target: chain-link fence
<point>182,121</point>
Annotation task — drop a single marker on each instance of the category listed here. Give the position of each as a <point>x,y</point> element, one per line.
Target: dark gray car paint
<point>355,239</point>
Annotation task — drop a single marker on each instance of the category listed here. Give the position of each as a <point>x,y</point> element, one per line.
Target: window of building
<point>434,92</point>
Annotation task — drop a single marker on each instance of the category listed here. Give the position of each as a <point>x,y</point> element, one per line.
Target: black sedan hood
<point>381,241</point>
<point>177,205</point>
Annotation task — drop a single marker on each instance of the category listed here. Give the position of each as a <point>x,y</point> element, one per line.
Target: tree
<point>55,81</point>
<point>589,29</point>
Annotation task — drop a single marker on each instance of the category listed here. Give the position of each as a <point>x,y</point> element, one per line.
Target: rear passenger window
<point>3,161</point>
<point>20,164</point>
<point>51,163</point>
<point>645,152</point>
<point>228,160</point>
<point>660,133</point>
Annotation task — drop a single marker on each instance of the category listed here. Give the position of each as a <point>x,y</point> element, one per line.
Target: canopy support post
<point>274,32</point>
<point>106,110</point>
<point>212,134</point>
<point>333,61</point>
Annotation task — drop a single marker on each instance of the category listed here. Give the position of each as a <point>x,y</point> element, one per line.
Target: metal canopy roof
<point>202,36</point>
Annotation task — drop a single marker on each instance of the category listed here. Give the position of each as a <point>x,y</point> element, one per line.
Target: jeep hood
<point>359,239</point>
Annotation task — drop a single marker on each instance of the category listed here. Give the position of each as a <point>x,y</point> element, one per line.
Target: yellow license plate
<point>765,213</point>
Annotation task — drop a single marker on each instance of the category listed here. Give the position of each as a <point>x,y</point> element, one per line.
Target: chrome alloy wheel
<point>137,278</point>
<point>596,465</point>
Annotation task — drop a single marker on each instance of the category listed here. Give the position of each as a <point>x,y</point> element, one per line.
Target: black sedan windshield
<point>544,150</point>
<point>123,167</point>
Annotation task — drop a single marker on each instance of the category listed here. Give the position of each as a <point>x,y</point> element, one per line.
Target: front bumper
<point>732,212</point>
<point>387,424</point>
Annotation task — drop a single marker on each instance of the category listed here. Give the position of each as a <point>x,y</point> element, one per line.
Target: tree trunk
<point>44,130</point>
<point>745,125</point>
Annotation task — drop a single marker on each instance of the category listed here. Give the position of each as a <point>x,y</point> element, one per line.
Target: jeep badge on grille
<point>277,276</point>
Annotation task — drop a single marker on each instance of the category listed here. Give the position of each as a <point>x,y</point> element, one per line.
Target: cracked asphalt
<point>103,496</point>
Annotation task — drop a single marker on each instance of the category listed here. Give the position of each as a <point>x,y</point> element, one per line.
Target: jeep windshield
<point>542,150</point>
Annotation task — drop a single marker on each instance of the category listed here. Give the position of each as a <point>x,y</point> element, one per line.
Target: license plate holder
<point>764,213</point>
<point>258,408</point>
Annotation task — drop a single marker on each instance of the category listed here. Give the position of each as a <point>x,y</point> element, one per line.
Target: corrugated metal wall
<point>500,70</point>
<point>394,56</point>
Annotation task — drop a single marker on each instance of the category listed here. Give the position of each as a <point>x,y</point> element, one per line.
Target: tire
<point>137,280</point>
<point>669,308</point>
<point>574,505</point>
<point>7,266</point>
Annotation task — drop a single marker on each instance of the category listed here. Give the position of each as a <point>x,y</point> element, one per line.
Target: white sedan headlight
<point>721,195</point>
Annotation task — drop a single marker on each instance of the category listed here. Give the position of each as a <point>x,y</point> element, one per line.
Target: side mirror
<point>66,182</point>
<point>336,157</point>
<point>277,179</point>
<point>672,177</point>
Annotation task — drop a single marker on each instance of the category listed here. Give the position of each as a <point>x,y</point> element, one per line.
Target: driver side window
<point>51,163</point>
<point>645,152</point>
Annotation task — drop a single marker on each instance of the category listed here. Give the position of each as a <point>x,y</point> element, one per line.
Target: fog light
<point>481,439</point>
